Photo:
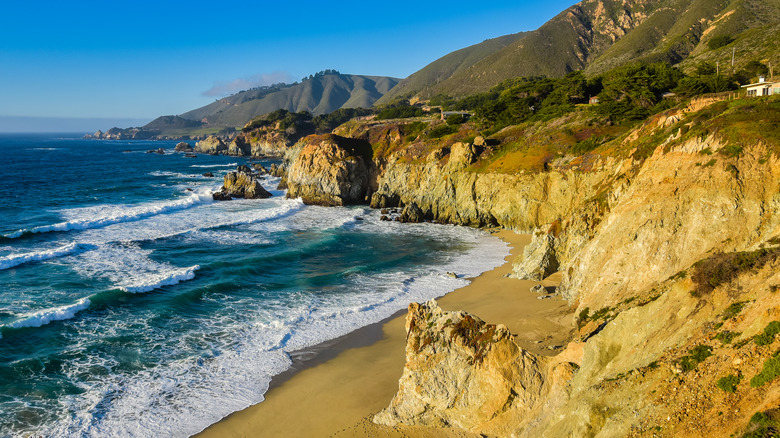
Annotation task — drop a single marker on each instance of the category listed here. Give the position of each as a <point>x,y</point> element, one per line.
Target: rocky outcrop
<point>463,372</point>
<point>539,260</point>
<point>211,145</point>
<point>241,184</point>
<point>184,147</point>
<point>331,170</point>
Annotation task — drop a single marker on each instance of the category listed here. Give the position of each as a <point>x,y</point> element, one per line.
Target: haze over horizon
<point>101,64</point>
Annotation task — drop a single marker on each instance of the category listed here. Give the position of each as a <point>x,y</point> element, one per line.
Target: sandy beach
<point>336,393</point>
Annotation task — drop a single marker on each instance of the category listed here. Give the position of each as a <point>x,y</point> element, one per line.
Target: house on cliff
<point>762,88</point>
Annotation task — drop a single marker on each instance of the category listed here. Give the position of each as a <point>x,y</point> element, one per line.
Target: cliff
<point>666,236</point>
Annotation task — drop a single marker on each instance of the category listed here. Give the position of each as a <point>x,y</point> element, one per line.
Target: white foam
<point>10,261</point>
<point>102,216</point>
<point>176,174</point>
<point>130,268</point>
<point>214,165</point>
<point>159,280</point>
<point>44,317</point>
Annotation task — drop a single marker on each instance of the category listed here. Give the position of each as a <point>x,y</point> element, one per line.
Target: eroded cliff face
<point>330,170</point>
<point>634,229</point>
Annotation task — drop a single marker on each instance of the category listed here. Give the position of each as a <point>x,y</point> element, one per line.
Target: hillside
<point>599,35</point>
<point>448,65</point>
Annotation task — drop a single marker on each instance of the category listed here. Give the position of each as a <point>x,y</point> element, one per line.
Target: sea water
<point>131,304</point>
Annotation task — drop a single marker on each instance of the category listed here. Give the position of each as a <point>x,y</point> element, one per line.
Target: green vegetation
<point>727,336</point>
<point>400,110</point>
<point>328,122</point>
<point>634,92</point>
<point>729,383</point>
<point>768,335</point>
<point>442,130</point>
<point>281,120</point>
<point>456,119</point>
<point>770,371</point>
<point>763,425</point>
<point>733,310</point>
<point>722,268</point>
<point>695,356</point>
<point>719,41</point>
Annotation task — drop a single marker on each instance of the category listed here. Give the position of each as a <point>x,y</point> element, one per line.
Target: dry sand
<point>352,378</point>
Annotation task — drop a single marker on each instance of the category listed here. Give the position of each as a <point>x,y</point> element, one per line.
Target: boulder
<point>331,170</point>
<point>461,371</point>
<point>411,214</point>
<point>208,175</point>
<point>183,147</point>
<point>539,259</point>
<point>260,169</point>
<point>242,185</point>
<point>211,145</point>
<point>239,147</point>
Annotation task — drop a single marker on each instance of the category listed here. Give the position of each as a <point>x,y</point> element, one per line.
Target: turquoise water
<point>133,305</point>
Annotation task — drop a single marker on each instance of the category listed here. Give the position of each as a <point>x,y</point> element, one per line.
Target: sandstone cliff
<point>665,237</point>
<point>330,170</point>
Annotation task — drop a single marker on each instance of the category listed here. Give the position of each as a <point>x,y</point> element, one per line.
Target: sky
<point>102,63</point>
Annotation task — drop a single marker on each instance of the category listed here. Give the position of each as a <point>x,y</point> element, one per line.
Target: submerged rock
<point>208,175</point>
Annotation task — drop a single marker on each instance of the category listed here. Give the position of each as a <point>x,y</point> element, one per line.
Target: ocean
<point>131,304</point>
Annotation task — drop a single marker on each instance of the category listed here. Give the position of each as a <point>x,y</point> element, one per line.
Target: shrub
<point>770,372</point>
<point>400,112</point>
<point>731,151</point>
<point>456,119</point>
<point>768,336</point>
<point>722,268</point>
<point>695,356</point>
<point>729,383</point>
<point>762,425</point>
<point>733,310</point>
<point>720,41</point>
<point>726,336</point>
<point>442,130</point>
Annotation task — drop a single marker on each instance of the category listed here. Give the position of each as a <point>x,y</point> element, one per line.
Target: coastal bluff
<point>667,239</point>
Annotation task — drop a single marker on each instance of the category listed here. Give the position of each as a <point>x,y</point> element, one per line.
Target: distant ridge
<point>319,94</point>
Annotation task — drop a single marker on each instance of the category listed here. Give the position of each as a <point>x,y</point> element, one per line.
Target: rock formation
<point>211,145</point>
<point>241,184</point>
<point>183,147</point>
<point>463,372</point>
<point>331,170</point>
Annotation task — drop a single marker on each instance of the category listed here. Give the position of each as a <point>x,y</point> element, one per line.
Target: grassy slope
<point>448,65</point>
<point>563,44</point>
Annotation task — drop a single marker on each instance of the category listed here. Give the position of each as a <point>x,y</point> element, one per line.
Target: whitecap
<point>10,261</point>
<point>44,317</point>
<point>96,217</point>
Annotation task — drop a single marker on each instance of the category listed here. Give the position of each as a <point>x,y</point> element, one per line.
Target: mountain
<point>598,35</point>
<point>320,94</point>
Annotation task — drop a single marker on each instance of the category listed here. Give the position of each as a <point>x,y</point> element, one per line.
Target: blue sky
<point>138,60</point>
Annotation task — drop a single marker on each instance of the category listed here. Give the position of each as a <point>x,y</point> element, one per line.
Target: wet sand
<point>334,389</point>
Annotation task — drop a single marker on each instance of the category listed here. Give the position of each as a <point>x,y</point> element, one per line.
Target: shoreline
<point>334,388</point>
